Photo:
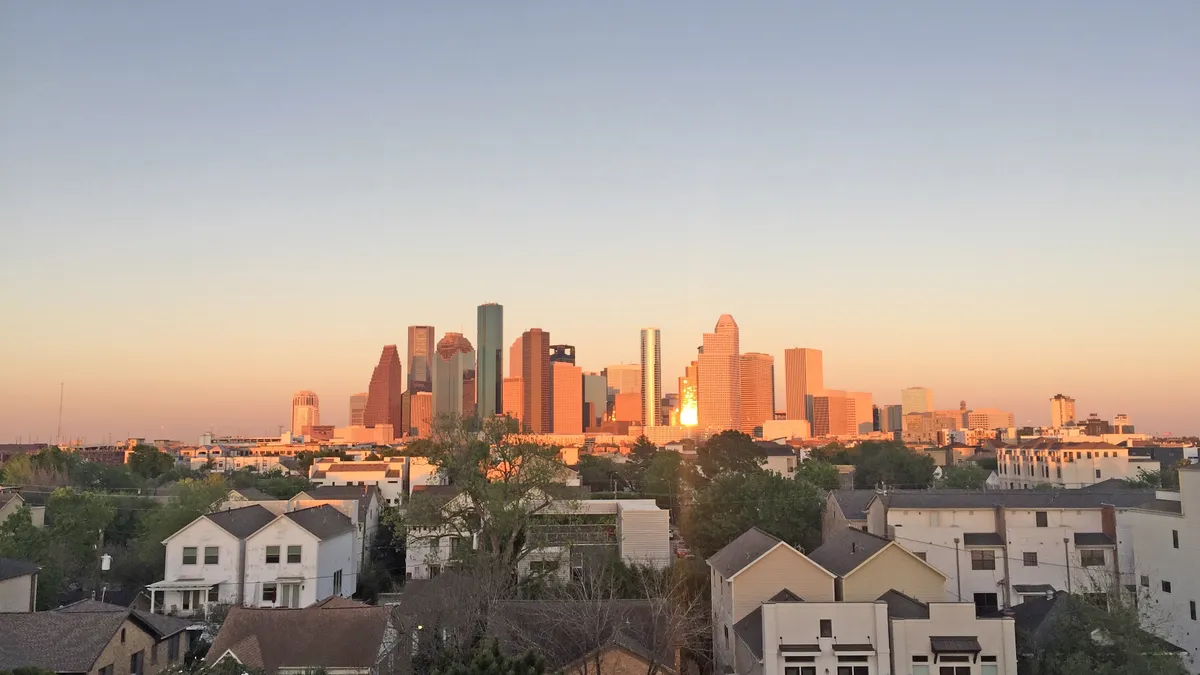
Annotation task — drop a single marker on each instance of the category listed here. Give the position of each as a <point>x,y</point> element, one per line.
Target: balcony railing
<point>565,535</point>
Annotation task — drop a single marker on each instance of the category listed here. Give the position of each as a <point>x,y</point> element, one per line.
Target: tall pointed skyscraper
<point>489,371</point>
<point>453,363</point>
<point>420,358</point>
<point>652,393</point>
<point>383,396</point>
<point>720,386</point>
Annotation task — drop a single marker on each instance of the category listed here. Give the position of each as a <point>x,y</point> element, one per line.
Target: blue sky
<point>208,205</point>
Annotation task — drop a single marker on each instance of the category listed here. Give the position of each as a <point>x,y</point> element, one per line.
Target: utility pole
<point>58,436</point>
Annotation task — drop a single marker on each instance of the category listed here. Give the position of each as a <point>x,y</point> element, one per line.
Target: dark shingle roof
<point>1039,616</point>
<point>323,521</point>
<point>361,494</point>
<point>1016,499</point>
<point>62,642</point>
<point>785,596</point>
<point>844,551</point>
<point>1093,539</point>
<point>750,631</point>
<point>1108,485</point>
<point>242,522</point>
<point>159,625</point>
<point>772,449</point>
<point>740,552</point>
<point>548,627</point>
<point>1163,505</point>
<point>11,568</point>
<point>982,539</point>
<point>254,494</point>
<point>853,503</point>
<point>901,606</point>
<point>1032,589</point>
<point>318,637</point>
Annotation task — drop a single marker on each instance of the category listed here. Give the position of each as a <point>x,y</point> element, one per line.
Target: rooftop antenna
<point>58,436</point>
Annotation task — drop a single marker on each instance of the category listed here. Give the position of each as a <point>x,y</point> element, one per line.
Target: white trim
<point>788,547</point>
<point>910,554</point>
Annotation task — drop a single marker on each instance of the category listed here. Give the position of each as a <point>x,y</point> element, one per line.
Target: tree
<point>148,461</point>
<point>1080,637</point>
<point>821,474</point>
<point>488,660</point>
<point>189,500</point>
<point>100,477</point>
<point>665,479</point>
<point>21,540</point>
<point>503,481</point>
<point>28,470</point>
<point>729,452</point>
<point>642,450</point>
<point>876,463</point>
<point>75,524</point>
<point>598,473</point>
<point>988,463</point>
<point>733,503</point>
<point>963,477</point>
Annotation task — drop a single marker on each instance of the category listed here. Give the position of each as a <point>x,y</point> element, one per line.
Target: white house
<point>204,561</point>
<point>11,502</point>
<point>361,504</point>
<point>1065,465</point>
<point>780,458</point>
<point>387,474</point>
<point>996,547</point>
<point>1165,536</point>
<point>18,585</point>
<point>299,558</point>
<point>636,529</point>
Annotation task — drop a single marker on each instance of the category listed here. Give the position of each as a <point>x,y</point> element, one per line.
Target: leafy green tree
<point>988,464</point>
<point>729,452</point>
<point>1079,637</point>
<point>100,477</point>
<point>21,540</point>
<point>734,502</point>
<point>148,461</point>
<point>821,474</point>
<point>599,473</point>
<point>29,470</point>
<point>304,458</point>
<point>489,660</point>
<point>75,524</point>
<point>665,479</point>
<point>966,476</point>
<point>189,500</point>
<point>890,463</point>
<point>642,450</point>
<point>27,670</point>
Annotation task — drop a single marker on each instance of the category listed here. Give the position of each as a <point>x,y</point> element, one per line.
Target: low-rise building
<point>361,504</point>
<point>387,474</point>
<point>1046,461</point>
<point>94,638</point>
<point>780,458</point>
<point>1165,537</point>
<point>12,501</point>
<point>18,585</point>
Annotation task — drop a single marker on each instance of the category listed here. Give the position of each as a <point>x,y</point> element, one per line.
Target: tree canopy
<point>733,503</point>
<point>889,463</point>
<point>967,476</point>
<point>729,452</point>
<point>820,473</point>
<point>148,461</point>
<point>488,660</point>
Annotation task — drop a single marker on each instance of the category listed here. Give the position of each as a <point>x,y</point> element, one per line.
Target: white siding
<point>16,594</point>
<point>202,533</point>
<point>336,554</point>
<point>281,532</point>
<point>644,535</point>
<point>997,637</point>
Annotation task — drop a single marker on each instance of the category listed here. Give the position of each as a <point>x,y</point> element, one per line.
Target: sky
<point>207,206</point>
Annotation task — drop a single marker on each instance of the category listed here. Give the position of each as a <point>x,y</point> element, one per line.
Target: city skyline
<point>172,173</point>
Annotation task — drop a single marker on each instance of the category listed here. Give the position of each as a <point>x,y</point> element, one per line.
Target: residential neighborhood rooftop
<point>10,568</point>
<point>242,522</point>
<point>740,552</point>
<point>844,551</point>
<point>322,521</point>
<point>329,637</point>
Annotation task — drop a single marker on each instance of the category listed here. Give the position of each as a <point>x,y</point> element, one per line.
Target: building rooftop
<point>1015,499</point>
<point>844,551</point>
<point>901,606</point>
<point>11,568</point>
<point>740,552</point>
<point>317,637</point>
<point>242,522</point>
<point>254,494</point>
<point>159,625</point>
<point>322,521</point>
<point>62,642</point>
<point>854,502</point>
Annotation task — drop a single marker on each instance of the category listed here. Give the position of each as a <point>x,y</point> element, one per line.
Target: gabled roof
<point>158,625</point>
<point>7,496</point>
<point>772,449</point>
<point>62,642</point>
<point>750,631</point>
<point>739,553</point>
<point>363,494</point>
<point>323,522</point>
<point>317,637</point>
<point>901,606</point>
<point>242,522</point>
<point>786,596</point>
<point>254,494</point>
<point>11,568</point>
<point>1093,539</point>
<point>1037,616</point>
<point>844,551</point>
<point>1014,499</point>
<point>854,503</point>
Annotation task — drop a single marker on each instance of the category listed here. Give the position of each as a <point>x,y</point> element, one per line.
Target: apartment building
<point>1165,537</point>
<point>996,548</point>
<point>1060,464</point>
<point>777,611</point>
<point>569,533</point>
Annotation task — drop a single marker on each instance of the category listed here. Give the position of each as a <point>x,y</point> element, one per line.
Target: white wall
<point>644,535</point>
<point>281,532</point>
<point>997,638</point>
<point>201,533</point>
<point>16,594</point>
<point>336,553</point>
<point>800,623</point>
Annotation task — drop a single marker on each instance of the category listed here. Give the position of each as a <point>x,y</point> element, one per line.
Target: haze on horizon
<point>208,206</point>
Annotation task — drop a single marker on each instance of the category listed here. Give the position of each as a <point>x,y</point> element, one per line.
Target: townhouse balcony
<point>566,535</point>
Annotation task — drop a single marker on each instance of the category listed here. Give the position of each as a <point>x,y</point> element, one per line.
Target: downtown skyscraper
<point>720,385</point>
<point>804,378</point>
<point>383,394</point>
<point>536,394</point>
<point>453,365</point>
<point>489,371</point>
<point>306,412</point>
<point>652,393</point>
<point>758,391</point>
<point>420,358</point>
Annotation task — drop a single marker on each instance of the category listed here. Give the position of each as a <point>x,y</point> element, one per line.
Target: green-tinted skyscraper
<point>489,370</point>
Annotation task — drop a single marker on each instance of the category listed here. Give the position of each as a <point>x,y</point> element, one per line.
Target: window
<point>854,670</point>
<point>211,555</point>
<point>1097,473</point>
<point>726,635</point>
<point>989,669</point>
<point>107,670</point>
<point>1145,581</point>
<point>800,670</point>
<point>1175,538</point>
<point>983,560</point>
<point>122,636</point>
<point>543,566</point>
<point>921,555</point>
<point>214,593</point>
<point>920,669</point>
<point>1166,586</point>
<point>189,555</point>
<point>1029,558</point>
<point>1091,558</point>
<point>827,628</point>
<point>337,582</point>
<point>293,554</point>
<point>272,555</point>
<point>1192,607</point>
<point>269,591</point>
<point>173,648</point>
<point>1041,519</point>
<point>136,661</point>
<point>986,603</point>
<point>954,670</point>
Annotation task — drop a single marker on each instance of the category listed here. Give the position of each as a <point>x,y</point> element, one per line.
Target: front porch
<point>188,597</point>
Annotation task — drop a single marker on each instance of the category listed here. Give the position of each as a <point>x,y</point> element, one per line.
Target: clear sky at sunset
<point>205,206</point>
